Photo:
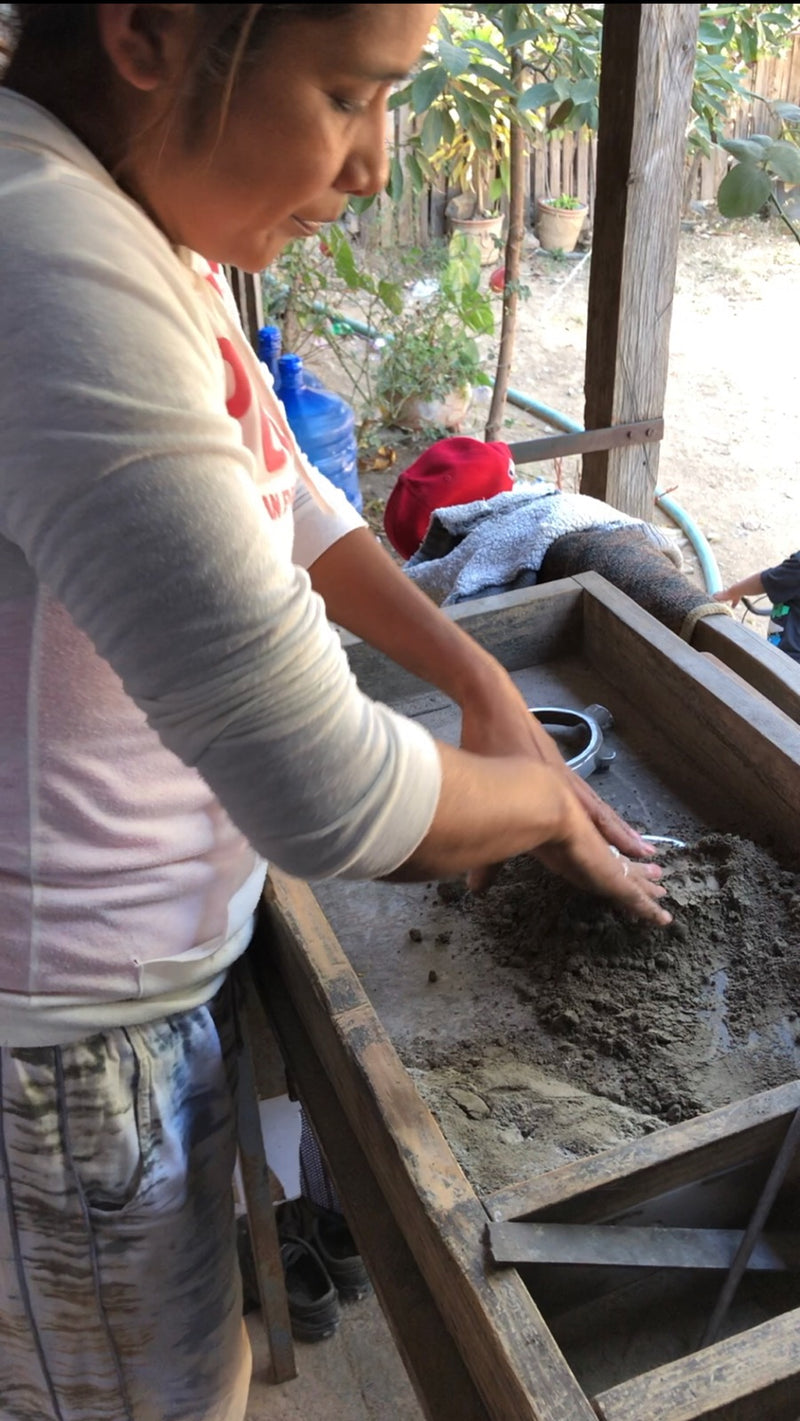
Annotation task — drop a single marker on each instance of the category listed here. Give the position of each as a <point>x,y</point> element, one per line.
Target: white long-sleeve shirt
<point>174,706</point>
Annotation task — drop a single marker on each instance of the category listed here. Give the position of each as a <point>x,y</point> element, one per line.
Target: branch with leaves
<point>762,163</point>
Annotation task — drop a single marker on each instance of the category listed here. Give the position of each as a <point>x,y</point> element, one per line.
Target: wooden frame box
<point>475,1341</point>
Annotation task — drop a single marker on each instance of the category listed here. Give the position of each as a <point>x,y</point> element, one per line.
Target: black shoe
<point>327,1232</point>
<point>334,1243</point>
<point>313,1304</point>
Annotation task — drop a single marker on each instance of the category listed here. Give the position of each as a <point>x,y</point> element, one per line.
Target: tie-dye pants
<point>120,1297</point>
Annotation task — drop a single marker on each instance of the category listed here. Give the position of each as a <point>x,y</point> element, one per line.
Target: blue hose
<point>705,557</point>
<point>556,420</point>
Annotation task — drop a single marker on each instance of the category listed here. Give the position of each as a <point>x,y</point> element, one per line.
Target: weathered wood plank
<point>766,669</point>
<point>752,1377</point>
<point>551,446</point>
<point>582,183</point>
<point>516,1366</point>
<point>606,1185</point>
<point>519,628</point>
<point>436,1370</point>
<point>645,84</point>
<point>754,747</point>
<point>259,1202</point>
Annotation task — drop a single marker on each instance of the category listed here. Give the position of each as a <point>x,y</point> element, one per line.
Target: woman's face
<point>305,129</point>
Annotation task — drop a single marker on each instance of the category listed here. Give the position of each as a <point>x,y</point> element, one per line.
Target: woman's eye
<point>349,106</point>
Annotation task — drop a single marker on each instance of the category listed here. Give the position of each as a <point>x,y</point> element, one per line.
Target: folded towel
<point>498,544</point>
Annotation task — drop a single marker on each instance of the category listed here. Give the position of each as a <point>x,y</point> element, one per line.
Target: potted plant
<point>431,360</point>
<point>560,221</point>
<point>481,175</point>
<point>428,370</point>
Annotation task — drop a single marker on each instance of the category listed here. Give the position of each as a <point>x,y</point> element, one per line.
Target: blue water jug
<point>323,425</point>
<point>269,349</point>
<point>270,342</point>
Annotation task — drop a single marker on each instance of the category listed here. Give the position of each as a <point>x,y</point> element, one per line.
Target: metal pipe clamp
<point>593,754</point>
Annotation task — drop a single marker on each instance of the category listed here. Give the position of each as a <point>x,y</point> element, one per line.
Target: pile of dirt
<point>631,1026</point>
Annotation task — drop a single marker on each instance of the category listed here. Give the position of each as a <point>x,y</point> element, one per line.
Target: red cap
<point>451,471</point>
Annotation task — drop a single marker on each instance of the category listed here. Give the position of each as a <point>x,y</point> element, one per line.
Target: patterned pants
<point>120,1297</point>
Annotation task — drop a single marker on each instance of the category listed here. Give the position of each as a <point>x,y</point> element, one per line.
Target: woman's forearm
<point>366,593</point>
<point>491,808</point>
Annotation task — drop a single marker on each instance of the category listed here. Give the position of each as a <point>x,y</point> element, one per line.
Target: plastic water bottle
<point>323,425</point>
<point>270,343</point>
<point>269,349</point>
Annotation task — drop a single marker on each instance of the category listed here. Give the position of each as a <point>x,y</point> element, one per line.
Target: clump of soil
<point>667,1007</point>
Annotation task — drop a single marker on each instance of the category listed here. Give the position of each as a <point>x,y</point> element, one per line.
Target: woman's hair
<point>57,59</point>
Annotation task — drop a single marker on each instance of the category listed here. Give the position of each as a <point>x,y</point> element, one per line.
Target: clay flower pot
<point>482,230</point>
<point>559,228</point>
<point>447,412</point>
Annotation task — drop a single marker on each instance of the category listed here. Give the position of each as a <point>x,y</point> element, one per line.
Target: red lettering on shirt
<point>274,444</point>
<point>240,396</point>
<point>277,503</point>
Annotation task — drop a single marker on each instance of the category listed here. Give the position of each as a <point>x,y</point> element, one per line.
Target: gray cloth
<point>498,544</point>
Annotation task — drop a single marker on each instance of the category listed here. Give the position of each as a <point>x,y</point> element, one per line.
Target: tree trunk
<point>513,255</point>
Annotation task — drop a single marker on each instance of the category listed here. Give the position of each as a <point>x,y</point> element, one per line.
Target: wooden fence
<point>567,163</point>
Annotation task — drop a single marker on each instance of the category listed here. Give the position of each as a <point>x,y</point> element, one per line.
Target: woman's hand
<point>498,722</point>
<point>636,887</point>
<point>492,808</point>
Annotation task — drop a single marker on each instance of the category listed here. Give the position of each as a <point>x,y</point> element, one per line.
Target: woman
<point>174,706</point>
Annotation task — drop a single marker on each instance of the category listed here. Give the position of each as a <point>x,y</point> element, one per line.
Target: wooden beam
<point>752,1377</point>
<point>433,1363</point>
<point>645,86</point>
<point>517,1370</point>
<point>520,629</point>
<point>608,1185</point>
<point>261,1221</point>
<point>665,676</point>
<point>765,668</point>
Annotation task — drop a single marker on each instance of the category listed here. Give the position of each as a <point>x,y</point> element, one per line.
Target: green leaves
<point>427,87</point>
<point>745,148</point>
<point>454,59</point>
<point>743,191</point>
<point>788,113</point>
<point>761,159</point>
<point>391,296</point>
<point>783,158</point>
<point>538,96</point>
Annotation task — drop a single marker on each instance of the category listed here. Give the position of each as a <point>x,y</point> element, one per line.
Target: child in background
<point>782,585</point>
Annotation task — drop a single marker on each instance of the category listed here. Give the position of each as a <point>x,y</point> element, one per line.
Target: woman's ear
<point>147,45</point>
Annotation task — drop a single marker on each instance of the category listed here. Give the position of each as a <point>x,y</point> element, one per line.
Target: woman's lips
<point>307,225</point>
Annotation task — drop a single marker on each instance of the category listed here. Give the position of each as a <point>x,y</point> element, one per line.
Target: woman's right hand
<point>594,866</point>
<point>492,808</point>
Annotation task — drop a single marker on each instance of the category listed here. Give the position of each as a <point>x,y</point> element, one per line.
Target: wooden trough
<point>549,1339</point>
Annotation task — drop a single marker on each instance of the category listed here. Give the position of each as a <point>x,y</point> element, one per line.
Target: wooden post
<point>645,86</point>
<point>247,293</point>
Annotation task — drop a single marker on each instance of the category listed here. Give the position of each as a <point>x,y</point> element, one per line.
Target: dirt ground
<point>731,449</point>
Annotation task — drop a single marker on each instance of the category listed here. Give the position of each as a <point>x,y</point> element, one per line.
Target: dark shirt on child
<point>782,586</point>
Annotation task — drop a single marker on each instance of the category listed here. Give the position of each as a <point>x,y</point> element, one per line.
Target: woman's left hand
<point>501,724</point>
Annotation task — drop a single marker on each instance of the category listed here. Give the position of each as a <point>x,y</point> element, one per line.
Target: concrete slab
<point>356,1375</point>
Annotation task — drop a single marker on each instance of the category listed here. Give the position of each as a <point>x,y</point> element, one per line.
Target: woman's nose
<point>366,168</point>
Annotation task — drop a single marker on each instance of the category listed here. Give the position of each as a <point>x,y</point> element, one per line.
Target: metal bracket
<point>632,1246</point>
<point>588,441</point>
<point>593,754</point>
